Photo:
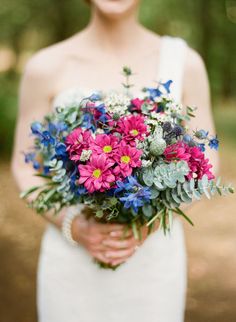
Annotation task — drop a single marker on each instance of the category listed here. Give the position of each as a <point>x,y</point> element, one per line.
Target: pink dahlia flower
<point>127,158</point>
<point>132,127</point>
<point>195,158</point>
<point>96,175</point>
<point>105,144</point>
<point>77,141</point>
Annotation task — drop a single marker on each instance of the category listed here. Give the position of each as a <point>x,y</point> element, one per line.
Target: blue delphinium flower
<point>202,147</point>
<point>87,122</point>
<point>30,158</point>
<point>95,97</point>
<point>136,199</point>
<point>132,194</point>
<point>60,150</point>
<point>153,93</point>
<point>214,143</point>
<point>166,85</point>
<point>78,189</point>
<point>126,185</point>
<point>56,128</point>
<point>46,170</point>
<point>36,128</point>
<point>93,116</point>
<point>47,138</point>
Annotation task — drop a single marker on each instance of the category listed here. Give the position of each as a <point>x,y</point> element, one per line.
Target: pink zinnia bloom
<point>198,164</point>
<point>195,158</point>
<point>136,104</point>
<point>77,141</point>
<point>96,174</point>
<point>177,151</point>
<point>105,144</point>
<point>127,158</point>
<point>132,127</point>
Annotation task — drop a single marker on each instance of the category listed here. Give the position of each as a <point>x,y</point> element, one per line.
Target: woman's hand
<point>106,242</point>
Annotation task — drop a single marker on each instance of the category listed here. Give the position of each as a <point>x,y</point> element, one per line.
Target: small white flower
<point>173,107</point>
<point>100,131</point>
<point>85,155</point>
<point>146,163</point>
<point>139,144</point>
<point>117,103</point>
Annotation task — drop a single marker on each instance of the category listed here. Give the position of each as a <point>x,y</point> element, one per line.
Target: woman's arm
<point>34,103</point>
<point>196,93</point>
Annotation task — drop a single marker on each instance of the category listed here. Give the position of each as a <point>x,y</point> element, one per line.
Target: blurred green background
<point>209,26</point>
<point>27,25</point>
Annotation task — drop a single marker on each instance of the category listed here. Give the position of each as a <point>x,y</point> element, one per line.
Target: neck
<point>114,33</point>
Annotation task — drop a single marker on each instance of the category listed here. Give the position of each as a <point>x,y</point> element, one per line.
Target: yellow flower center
<point>107,148</point>
<point>97,173</point>
<point>134,132</point>
<point>125,159</point>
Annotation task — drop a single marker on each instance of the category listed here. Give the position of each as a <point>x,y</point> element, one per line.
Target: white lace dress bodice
<point>149,287</point>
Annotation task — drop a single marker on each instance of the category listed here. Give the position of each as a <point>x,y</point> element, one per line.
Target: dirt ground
<point>211,247</point>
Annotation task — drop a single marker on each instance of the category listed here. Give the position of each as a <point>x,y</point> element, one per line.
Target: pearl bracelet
<point>71,213</point>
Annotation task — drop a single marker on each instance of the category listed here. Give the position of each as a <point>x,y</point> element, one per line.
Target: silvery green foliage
<point>56,192</point>
<point>194,190</point>
<point>166,175</point>
<point>70,115</point>
<point>62,181</point>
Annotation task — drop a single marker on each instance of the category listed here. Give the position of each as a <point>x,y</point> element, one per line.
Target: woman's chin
<point>115,8</point>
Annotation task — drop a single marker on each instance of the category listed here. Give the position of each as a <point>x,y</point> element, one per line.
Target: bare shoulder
<point>46,63</point>
<point>194,63</point>
<point>195,80</point>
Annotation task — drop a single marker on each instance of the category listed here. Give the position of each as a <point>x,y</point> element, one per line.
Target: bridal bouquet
<point>130,160</point>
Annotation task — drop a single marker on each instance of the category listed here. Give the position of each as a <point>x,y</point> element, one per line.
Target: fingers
<point>101,257</point>
<point>122,233</point>
<point>118,261</point>
<point>118,254</point>
<point>105,228</point>
<point>120,244</point>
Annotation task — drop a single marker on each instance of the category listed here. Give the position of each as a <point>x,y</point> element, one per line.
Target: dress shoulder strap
<point>171,64</point>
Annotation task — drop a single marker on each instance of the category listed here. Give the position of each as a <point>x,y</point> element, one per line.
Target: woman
<point>151,284</point>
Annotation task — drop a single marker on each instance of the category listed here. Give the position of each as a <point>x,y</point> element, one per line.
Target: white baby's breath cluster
<point>162,97</point>
<point>85,155</point>
<point>173,107</point>
<point>159,117</point>
<point>117,103</point>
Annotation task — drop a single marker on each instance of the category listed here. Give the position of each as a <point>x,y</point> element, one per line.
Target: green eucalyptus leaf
<point>147,211</point>
<point>148,176</point>
<point>158,184</point>
<point>196,194</point>
<point>206,192</point>
<point>154,192</point>
<point>175,197</point>
<point>205,180</point>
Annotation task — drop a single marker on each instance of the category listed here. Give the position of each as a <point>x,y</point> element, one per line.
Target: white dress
<point>149,287</point>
